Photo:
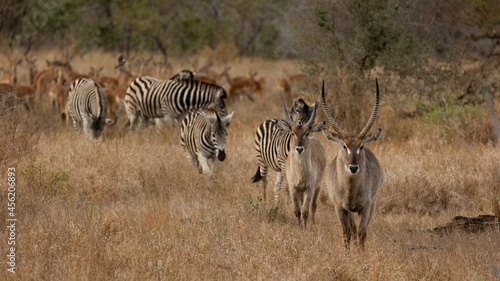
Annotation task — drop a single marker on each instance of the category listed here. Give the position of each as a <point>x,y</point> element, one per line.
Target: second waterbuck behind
<point>354,176</point>
<point>305,165</point>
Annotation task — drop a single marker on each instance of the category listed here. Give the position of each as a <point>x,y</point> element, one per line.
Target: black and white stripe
<point>149,97</point>
<point>88,107</point>
<point>203,137</point>
<point>272,146</point>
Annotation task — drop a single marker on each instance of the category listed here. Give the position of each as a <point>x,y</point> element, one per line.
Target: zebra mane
<point>211,112</point>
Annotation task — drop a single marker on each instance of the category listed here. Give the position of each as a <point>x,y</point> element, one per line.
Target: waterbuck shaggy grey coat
<point>305,165</point>
<point>354,176</point>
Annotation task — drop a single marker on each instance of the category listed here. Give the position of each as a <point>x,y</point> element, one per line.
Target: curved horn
<point>374,115</point>
<point>328,114</point>
<point>287,117</point>
<point>311,120</point>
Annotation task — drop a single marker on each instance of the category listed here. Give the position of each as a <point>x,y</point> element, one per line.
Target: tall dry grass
<point>130,207</point>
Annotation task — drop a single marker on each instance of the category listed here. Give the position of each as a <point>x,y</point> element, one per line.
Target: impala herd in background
<point>197,99</point>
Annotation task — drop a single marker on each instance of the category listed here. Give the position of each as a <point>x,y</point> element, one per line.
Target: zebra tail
<point>257,177</point>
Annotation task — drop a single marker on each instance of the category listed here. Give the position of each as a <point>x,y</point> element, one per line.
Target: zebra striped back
<point>148,97</point>
<point>272,145</point>
<point>204,136</point>
<point>88,105</point>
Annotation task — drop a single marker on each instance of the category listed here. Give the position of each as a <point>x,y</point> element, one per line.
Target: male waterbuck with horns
<point>305,164</point>
<point>354,176</point>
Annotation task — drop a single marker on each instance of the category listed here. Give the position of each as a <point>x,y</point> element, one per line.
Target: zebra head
<point>97,124</point>
<point>218,103</point>
<point>301,111</point>
<point>218,131</point>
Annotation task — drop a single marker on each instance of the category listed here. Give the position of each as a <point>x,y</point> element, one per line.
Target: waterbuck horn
<point>373,117</point>
<point>313,116</point>
<point>287,117</point>
<point>328,114</point>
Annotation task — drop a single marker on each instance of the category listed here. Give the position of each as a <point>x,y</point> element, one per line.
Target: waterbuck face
<point>352,151</point>
<point>300,133</point>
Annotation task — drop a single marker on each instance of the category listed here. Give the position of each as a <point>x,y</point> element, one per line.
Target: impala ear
<point>331,137</point>
<point>320,126</point>
<point>284,126</point>
<point>374,137</point>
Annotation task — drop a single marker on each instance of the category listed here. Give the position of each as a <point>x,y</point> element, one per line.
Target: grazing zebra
<point>273,145</point>
<point>149,97</point>
<point>88,105</point>
<point>203,136</point>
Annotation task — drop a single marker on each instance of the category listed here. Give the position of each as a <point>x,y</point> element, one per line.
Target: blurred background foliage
<point>417,47</point>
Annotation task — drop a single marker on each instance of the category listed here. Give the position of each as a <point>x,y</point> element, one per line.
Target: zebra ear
<point>284,126</point>
<point>221,94</point>
<point>226,121</point>
<point>210,119</point>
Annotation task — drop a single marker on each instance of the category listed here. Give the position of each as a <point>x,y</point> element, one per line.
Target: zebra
<point>149,97</point>
<point>272,146</point>
<point>88,106</point>
<point>203,137</point>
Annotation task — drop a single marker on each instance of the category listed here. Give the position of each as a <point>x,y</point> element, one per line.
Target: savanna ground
<point>130,207</point>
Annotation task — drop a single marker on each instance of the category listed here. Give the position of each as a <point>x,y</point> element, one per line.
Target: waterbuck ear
<point>282,125</point>
<point>226,121</point>
<point>331,137</point>
<point>320,126</point>
<point>374,137</point>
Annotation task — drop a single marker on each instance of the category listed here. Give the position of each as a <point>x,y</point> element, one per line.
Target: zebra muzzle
<point>222,155</point>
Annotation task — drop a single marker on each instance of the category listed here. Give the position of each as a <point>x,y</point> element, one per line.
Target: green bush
<point>453,119</point>
<point>41,174</point>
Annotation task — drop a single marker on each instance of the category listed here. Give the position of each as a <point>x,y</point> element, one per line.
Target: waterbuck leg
<point>346,225</point>
<point>309,196</point>
<point>364,220</point>
<point>296,198</point>
<point>314,205</point>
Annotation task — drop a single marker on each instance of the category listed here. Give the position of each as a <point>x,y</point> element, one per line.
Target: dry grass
<point>130,207</point>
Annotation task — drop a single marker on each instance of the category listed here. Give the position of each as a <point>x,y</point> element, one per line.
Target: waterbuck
<point>354,176</point>
<point>305,165</point>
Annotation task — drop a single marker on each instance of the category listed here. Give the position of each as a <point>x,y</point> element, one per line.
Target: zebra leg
<point>134,120</point>
<point>277,187</point>
<point>203,161</point>
<point>77,124</point>
<point>214,166</point>
<point>263,173</point>
<point>192,159</point>
<point>87,128</point>
<point>286,189</point>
